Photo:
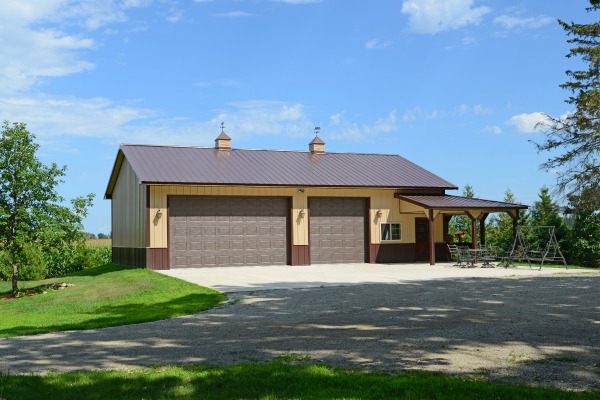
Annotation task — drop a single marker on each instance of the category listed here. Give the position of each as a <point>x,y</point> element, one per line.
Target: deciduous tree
<point>31,210</point>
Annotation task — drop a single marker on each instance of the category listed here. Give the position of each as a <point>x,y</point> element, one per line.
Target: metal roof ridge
<point>270,150</point>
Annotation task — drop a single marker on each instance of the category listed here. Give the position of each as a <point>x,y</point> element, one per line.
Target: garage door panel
<point>209,246</point>
<point>208,260</point>
<point>264,231</point>
<point>221,231</point>
<point>337,230</point>
<point>180,246</point>
<point>208,230</point>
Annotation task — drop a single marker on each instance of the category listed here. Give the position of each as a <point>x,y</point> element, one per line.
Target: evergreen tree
<point>545,213</point>
<point>574,139</point>
<point>582,246</point>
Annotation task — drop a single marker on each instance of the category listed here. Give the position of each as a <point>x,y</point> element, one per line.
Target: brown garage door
<point>227,231</point>
<point>337,230</point>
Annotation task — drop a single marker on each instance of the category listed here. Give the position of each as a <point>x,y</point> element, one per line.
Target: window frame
<point>391,231</point>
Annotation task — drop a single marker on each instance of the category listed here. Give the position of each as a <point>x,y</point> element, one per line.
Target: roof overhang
<point>447,203</point>
<point>114,175</point>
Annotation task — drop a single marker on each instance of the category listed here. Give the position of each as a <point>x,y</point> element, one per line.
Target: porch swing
<point>535,244</point>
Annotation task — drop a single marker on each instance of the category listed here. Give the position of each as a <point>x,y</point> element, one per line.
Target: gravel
<point>536,330</point>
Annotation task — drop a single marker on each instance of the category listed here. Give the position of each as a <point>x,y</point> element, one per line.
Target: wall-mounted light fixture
<point>301,190</point>
<point>158,214</point>
<point>302,213</point>
<point>379,213</point>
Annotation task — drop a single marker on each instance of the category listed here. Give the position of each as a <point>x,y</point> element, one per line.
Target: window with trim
<point>391,232</point>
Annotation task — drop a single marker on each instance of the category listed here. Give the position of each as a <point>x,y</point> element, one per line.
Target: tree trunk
<point>15,287</point>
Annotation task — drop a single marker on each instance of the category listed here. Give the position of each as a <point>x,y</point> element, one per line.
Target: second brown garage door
<point>337,230</point>
<point>227,231</point>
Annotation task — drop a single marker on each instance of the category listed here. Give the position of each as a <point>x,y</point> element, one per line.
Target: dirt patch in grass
<point>41,289</point>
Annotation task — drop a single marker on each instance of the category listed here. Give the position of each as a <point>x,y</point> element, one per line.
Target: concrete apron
<point>245,279</point>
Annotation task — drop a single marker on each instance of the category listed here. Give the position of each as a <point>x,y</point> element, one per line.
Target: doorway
<point>421,239</point>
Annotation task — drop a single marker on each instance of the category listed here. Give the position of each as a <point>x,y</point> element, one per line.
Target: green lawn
<point>271,381</point>
<point>108,295</point>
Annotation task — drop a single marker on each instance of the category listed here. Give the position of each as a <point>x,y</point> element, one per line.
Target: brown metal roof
<point>197,165</point>
<point>447,202</point>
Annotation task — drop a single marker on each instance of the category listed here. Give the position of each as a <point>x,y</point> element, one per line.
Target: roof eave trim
<point>114,175</point>
<point>148,182</point>
<point>453,208</point>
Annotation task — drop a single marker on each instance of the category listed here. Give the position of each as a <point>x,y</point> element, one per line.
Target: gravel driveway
<point>538,330</point>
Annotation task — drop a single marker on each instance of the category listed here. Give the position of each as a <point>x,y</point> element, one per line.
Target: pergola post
<point>431,238</point>
<point>482,228</point>
<point>473,229</point>
<point>515,221</point>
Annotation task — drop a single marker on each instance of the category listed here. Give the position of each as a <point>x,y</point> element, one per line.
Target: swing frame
<point>520,250</point>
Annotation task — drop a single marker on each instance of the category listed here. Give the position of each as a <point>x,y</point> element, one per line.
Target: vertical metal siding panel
<point>439,229</point>
<point>156,225</point>
<point>129,210</point>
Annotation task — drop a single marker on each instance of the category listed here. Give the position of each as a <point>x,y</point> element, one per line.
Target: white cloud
<point>460,110</point>
<point>346,130</point>
<point>511,22</point>
<point>494,129</point>
<point>526,123</point>
<point>336,119</point>
<point>53,119</point>
<point>432,16</point>
<point>174,15</point>
<point>53,116</point>
<point>376,44</point>
<point>263,117</point>
<point>40,27</point>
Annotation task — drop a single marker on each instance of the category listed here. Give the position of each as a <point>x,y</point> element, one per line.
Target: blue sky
<point>456,86</point>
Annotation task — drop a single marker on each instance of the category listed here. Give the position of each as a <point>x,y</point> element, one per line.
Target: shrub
<point>58,260</point>
<point>68,258</point>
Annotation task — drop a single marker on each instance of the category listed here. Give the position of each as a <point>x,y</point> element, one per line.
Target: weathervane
<point>222,127</point>
<point>317,129</point>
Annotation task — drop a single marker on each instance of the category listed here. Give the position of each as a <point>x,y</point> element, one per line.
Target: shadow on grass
<point>273,381</point>
<point>90,272</point>
<point>102,269</point>
<point>131,313</point>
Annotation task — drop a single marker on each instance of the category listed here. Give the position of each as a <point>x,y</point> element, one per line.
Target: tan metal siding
<point>128,210</point>
<point>380,199</point>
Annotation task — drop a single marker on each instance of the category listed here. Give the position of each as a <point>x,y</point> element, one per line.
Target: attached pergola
<point>475,209</point>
